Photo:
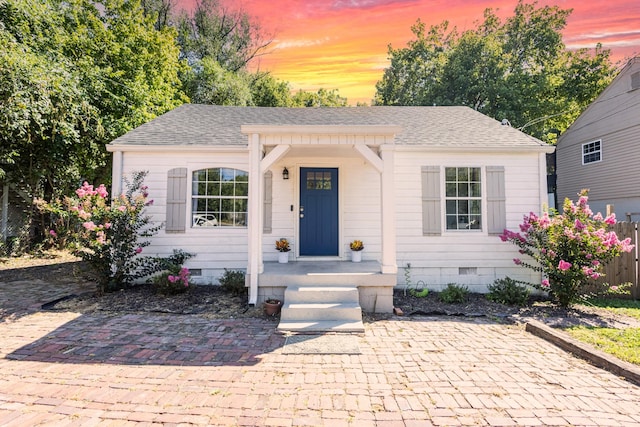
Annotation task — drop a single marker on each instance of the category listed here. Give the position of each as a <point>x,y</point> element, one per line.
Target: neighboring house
<point>427,186</point>
<point>600,151</point>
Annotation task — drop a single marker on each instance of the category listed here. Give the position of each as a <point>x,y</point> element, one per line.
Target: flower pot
<point>356,256</point>
<point>272,308</point>
<point>283,257</point>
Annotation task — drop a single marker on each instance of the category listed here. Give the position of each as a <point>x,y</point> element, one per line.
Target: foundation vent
<point>467,271</point>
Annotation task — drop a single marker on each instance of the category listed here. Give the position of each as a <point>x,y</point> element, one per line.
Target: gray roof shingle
<point>192,124</point>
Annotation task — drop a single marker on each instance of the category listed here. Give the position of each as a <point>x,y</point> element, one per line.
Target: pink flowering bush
<point>108,234</point>
<point>569,249</point>
<point>174,281</point>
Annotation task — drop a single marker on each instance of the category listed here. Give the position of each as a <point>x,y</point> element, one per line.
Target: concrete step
<point>321,308</point>
<point>348,311</point>
<point>321,326</point>
<point>324,294</point>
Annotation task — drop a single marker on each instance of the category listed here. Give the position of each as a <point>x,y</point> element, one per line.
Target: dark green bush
<point>232,281</point>
<point>508,291</point>
<point>454,294</point>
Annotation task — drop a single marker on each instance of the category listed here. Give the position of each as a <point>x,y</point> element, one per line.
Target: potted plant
<point>356,250</point>
<point>282,246</point>
<point>272,306</point>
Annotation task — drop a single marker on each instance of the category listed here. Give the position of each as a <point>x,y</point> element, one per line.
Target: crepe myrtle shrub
<point>568,249</point>
<point>109,235</point>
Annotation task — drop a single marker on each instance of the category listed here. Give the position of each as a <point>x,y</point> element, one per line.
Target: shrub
<point>109,236</point>
<point>454,294</point>
<point>232,281</point>
<point>568,249</point>
<point>175,280</point>
<point>508,291</point>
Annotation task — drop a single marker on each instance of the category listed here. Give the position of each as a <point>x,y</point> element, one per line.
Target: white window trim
<point>582,153</point>
<point>190,196</point>
<point>483,199</point>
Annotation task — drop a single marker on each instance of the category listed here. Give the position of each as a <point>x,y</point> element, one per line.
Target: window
<point>591,152</point>
<point>219,198</point>
<point>463,198</point>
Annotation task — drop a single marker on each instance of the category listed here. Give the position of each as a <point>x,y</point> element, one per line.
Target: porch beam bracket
<point>274,155</point>
<point>370,156</point>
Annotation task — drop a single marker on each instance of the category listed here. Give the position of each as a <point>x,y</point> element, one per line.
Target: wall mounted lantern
<point>285,173</point>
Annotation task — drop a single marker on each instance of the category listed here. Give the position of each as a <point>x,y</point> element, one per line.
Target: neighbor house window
<point>463,198</point>
<point>591,152</point>
<point>219,198</point>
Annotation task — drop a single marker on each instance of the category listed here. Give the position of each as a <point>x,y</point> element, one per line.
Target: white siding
<point>436,260</point>
<point>359,204</point>
<point>215,248</point>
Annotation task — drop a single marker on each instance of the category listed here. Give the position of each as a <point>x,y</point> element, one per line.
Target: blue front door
<point>318,211</point>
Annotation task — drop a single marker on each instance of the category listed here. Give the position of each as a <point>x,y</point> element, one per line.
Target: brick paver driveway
<point>71,369</point>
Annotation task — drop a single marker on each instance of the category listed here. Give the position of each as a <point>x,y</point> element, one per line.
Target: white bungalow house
<point>429,187</point>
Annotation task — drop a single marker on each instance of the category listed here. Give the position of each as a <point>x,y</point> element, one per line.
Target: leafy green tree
<point>210,83</point>
<point>267,91</point>
<point>321,98</point>
<point>518,69</point>
<point>231,38</point>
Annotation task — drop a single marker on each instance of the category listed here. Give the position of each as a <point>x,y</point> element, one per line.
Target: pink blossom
<point>544,220</point>
<point>107,225</point>
<point>100,236</point>
<point>89,225</point>
<point>517,261</point>
<point>595,262</point>
<point>583,200</point>
<point>598,217</point>
<point>613,288</point>
<point>122,208</point>
<point>564,265</point>
<point>611,219</point>
<point>172,278</point>
<point>84,214</point>
<point>138,249</point>
<point>579,225</point>
<point>545,283</point>
<point>595,275</point>
<point>53,233</point>
<point>102,191</point>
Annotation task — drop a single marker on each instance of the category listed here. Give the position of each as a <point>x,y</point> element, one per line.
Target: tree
<point>210,83</point>
<point>321,98</point>
<point>232,39</point>
<point>518,69</point>
<point>267,91</point>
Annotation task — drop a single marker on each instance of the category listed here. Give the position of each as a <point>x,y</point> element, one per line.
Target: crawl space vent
<point>467,271</point>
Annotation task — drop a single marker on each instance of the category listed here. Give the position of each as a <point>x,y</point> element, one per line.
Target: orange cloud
<point>342,44</point>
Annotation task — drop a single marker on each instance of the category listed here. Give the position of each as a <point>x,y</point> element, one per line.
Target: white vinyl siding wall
<point>215,248</point>
<point>439,259</point>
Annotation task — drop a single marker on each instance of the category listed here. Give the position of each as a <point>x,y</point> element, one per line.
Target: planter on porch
<point>356,247</point>
<point>283,257</point>
<point>356,256</point>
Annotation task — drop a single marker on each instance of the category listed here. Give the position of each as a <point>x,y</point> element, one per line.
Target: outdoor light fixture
<point>285,173</point>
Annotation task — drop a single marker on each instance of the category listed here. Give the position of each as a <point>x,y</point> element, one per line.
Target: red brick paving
<point>70,369</point>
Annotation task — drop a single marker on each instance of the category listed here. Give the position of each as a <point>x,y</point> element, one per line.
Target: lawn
<point>621,343</point>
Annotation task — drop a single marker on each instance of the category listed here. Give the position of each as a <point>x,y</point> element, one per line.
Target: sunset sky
<point>342,44</point>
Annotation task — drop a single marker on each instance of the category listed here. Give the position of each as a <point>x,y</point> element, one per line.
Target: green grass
<point>620,306</point>
<point>621,343</point>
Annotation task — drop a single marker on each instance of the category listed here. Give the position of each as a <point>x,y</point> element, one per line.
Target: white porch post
<point>116,179</point>
<point>388,208</point>
<point>254,230</point>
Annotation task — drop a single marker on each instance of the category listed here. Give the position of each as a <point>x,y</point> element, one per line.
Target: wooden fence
<point>625,268</point>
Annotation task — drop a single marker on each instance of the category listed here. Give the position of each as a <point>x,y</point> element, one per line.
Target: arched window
<point>219,198</point>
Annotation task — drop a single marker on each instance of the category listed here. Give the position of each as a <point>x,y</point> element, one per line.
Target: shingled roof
<point>192,124</point>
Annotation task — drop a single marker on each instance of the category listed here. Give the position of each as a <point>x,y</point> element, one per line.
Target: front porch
<point>375,288</point>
